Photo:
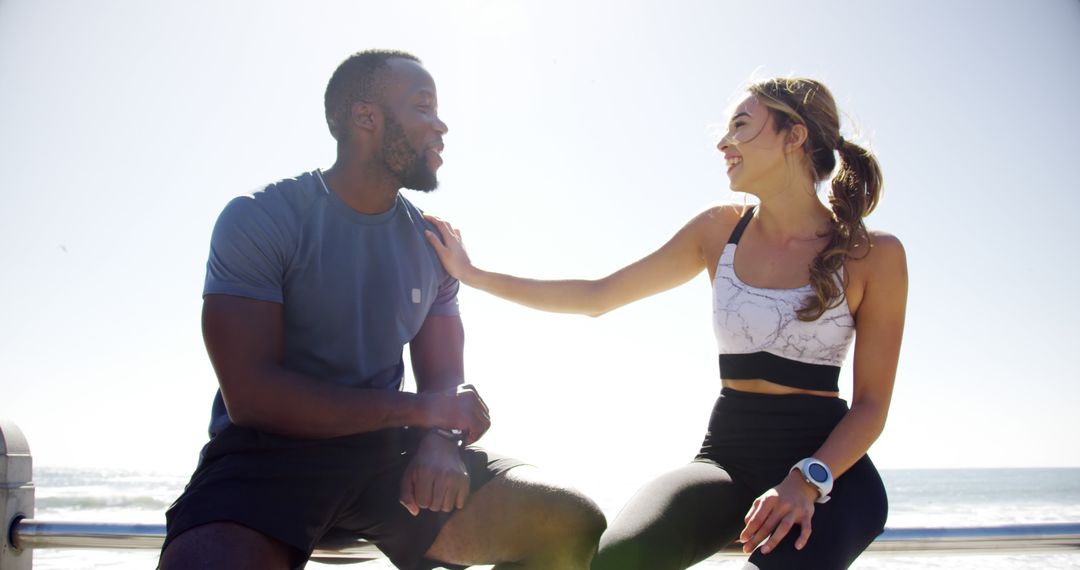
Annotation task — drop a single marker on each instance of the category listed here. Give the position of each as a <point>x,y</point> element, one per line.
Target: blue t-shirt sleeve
<point>247,253</point>
<point>446,302</point>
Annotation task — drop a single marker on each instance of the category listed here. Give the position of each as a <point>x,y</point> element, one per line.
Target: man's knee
<point>525,518</point>
<point>567,514</point>
<point>579,520</point>
<point>226,545</point>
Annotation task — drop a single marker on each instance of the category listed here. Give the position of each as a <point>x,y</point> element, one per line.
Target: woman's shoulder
<point>884,256</point>
<point>886,244</point>
<point>713,226</point>
<point>718,217</point>
<point>726,211</point>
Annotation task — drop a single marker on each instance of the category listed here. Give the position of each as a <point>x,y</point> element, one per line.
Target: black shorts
<point>298,490</point>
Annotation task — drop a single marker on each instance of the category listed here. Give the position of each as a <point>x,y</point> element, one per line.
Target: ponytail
<point>856,189</point>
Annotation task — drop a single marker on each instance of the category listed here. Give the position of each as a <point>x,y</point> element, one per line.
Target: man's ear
<point>363,115</point>
<point>796,137</point>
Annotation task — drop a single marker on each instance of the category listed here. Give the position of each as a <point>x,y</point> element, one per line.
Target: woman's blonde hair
<point>856,186</point>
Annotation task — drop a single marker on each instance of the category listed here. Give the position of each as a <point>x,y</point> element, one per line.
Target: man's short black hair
<point>358,78</point>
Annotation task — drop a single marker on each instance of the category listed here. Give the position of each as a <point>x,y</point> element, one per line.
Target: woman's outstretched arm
<point>675,263</point>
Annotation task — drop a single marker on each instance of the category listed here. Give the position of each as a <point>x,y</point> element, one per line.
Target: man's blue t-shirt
<point>355,287</point>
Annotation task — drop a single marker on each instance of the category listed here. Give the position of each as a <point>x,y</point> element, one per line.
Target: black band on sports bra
<point>780,370</point>
<point>736,234</point>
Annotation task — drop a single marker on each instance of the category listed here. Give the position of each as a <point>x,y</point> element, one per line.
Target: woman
<point>793,282</point>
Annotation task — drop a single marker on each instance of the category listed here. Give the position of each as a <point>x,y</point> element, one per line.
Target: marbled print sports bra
<point>760,336</point>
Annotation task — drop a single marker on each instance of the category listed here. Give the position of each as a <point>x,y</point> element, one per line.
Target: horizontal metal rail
<point>37,534</point>
<point>33,534</point>
<point>1004,539</point>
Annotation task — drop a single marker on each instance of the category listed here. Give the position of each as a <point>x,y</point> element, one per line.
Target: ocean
<point>947,497</point>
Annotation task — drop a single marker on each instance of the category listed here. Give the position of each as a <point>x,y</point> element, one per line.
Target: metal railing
<point>30,533</point>
<point>22,534</point>
<point>34,534</point>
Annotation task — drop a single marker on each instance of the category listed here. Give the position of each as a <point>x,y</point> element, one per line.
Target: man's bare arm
<point>436,478</point>
<point>245,341</point>
<point>438,364</point>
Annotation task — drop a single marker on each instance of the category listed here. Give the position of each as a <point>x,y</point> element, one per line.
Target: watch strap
<point>825,486</point>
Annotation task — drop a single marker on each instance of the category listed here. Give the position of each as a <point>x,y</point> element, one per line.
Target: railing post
<point>16,494</point>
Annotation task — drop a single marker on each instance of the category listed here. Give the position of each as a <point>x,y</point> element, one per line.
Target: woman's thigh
<point>675,521</point>
<point>841,528</point>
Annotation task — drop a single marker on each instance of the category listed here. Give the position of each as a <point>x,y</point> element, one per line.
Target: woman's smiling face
<point>752,147</point>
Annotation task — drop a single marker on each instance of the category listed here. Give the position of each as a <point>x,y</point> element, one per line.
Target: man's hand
<point>463,409</point>
<point>436,478</point>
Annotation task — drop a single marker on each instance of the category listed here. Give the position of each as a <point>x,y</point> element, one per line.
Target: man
<point>313,287</point>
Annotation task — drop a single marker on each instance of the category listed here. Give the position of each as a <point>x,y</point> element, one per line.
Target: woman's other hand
<point>451,248</point>
<point>777,510</point>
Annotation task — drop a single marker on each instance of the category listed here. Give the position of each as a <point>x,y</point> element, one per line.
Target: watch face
<point>817,472</point>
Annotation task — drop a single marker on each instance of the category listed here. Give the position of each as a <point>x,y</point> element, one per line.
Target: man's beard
<point>408,166</point>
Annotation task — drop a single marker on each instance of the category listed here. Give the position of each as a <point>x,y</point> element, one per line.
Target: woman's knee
<point>674,521</point>
<point>646,540</point>
<point>839,535</point>
<point>641,552</point>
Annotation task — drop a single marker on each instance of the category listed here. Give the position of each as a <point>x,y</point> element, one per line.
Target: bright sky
<point>581,137</point>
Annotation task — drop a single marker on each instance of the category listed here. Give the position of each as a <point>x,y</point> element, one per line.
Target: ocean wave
<point>113,502</point>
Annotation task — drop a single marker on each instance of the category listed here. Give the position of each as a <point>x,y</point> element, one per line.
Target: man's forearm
<point>291,404</point>
<point>443,384</point>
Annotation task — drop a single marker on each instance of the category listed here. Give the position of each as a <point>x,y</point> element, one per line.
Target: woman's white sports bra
<point>760,336</point>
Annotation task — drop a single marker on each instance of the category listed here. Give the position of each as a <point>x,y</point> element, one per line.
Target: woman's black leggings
<point>687,515</point>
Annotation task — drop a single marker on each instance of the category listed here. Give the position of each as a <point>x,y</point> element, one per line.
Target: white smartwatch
<point>817,474</point>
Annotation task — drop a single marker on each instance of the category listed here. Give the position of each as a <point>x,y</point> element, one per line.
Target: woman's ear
<point>796,137</point>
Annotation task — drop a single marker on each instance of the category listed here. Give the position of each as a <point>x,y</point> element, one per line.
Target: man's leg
<point>226,545</point>
<point>521,520</point>
<point>260,501</point>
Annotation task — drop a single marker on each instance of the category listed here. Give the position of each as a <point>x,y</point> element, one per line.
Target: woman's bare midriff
<point>759,386</point>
